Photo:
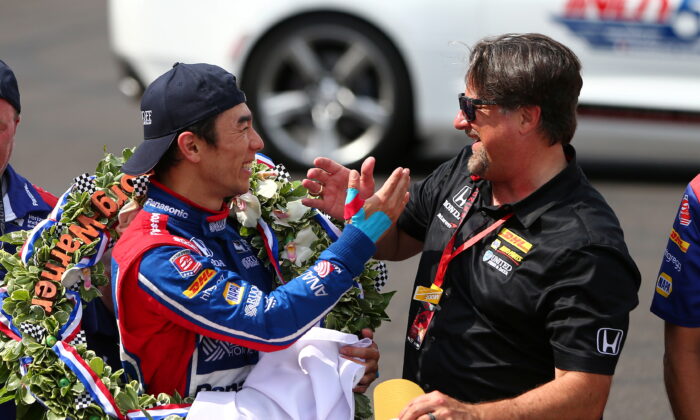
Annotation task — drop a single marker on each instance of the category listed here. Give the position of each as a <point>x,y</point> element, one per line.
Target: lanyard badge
<point>430,297</point>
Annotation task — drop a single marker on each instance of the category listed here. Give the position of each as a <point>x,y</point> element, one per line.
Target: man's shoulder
<point>587,218</point>
<point>146,231</point>
<point>21,190</point>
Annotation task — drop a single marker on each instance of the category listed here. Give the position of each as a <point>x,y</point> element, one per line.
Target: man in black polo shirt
<point>525,283</point>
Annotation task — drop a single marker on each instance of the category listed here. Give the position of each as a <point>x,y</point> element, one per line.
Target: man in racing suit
<point>677,301</point>
<point>194,304</point>
<point>23,205</point>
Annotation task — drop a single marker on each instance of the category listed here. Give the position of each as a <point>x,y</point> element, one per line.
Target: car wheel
<point>328,85</point>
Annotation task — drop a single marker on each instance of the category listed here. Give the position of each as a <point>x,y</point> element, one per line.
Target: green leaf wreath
<point>49,380</point>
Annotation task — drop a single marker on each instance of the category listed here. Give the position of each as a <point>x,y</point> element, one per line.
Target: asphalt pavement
<point>72,110</point>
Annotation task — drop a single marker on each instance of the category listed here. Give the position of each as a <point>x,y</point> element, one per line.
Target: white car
<point>350,78</point>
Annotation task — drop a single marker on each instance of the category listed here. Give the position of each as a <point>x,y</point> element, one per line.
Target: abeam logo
<point>684,212</point>
<point>609,341</point>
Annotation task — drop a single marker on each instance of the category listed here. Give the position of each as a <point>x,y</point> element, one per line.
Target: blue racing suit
<point>677,293</point>
<point>24,205</point>
<point>195,305</point>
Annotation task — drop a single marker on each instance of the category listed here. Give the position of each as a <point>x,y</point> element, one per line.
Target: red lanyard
<point>448,254</point>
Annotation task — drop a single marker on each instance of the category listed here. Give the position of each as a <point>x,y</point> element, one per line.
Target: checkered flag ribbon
<point>82,400</point>
<point>84,183</point>
<point>79,339</point>
<point>76,286</point>
<point>140,184</point>
<point>282,173</point>
<point>37,332</point>
<point>382,277</point>
<point>60,226</point>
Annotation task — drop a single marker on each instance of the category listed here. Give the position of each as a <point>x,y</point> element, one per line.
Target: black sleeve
<point>587,308</point>
<point>425,197</point>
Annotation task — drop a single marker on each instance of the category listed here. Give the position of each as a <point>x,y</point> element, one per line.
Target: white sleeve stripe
<point>226,330</point>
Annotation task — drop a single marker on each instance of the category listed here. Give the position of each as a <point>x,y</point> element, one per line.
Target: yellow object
<point>390,397</point>
<point>430,294</point>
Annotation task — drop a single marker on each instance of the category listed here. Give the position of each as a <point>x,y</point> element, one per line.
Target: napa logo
<point>664,285</point>
<point>659,25</point>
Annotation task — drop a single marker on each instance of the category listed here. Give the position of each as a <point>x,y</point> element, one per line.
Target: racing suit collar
<point>162,199</point>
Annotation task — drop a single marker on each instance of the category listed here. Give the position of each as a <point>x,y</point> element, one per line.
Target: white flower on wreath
<point>299,249</point>
<point>294,213</point>
<point>267,188</point>
<point>247,209</point>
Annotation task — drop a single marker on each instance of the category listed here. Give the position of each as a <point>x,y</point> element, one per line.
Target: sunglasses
<point>468,105</point>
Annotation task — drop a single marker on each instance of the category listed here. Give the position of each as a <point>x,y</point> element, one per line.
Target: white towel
<point>308,380</point>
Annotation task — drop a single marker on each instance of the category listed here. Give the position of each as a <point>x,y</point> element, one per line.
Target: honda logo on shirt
<point>460,199</point>
<point>609,341</point>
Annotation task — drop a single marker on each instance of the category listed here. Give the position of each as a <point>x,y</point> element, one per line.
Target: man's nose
<point>460,121</point>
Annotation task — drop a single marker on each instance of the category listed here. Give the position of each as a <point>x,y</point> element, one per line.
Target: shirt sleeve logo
<point>664,285</point>
<point>233,293</point>
<point>185,264</point>
<point>676,238</point>
<point>323,268</point>
<point>609,341</point>
<point>684,212</point>
<point>199,282</point>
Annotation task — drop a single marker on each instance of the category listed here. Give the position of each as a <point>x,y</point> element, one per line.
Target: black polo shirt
<point>552,287</point>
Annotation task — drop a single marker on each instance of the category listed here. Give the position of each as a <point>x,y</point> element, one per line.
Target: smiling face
<point>226,166</point>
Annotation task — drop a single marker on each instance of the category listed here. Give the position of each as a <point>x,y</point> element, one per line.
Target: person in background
<point>677,301</point>
<point>193,302</point>
<point>23,204</point>
<point>524,287</point>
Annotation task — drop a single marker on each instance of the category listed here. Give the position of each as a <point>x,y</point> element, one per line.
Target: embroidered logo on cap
<point>146,117</point>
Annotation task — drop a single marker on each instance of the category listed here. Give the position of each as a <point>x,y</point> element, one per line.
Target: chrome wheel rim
<point>325,90</point>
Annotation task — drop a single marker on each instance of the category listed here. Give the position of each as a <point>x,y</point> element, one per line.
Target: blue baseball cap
<point>8,86</point>
<point>184,95</point>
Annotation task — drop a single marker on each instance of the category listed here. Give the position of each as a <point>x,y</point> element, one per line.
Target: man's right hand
<point>375,215</point>
<point>328,182</point>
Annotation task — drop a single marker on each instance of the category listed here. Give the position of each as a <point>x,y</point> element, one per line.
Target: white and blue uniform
<point>677,295</point>
<point>194,303</point>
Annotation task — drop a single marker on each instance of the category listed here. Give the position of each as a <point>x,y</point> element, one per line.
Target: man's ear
<point>529,118</point>
<point>190,146</point>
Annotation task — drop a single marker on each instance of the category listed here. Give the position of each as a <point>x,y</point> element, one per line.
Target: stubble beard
<point>478,163</point>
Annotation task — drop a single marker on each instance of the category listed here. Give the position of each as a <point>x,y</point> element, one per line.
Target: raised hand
<point>328,181</point>
<point>375,215</point>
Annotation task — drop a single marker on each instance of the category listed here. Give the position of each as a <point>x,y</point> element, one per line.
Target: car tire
<point>329,85</point>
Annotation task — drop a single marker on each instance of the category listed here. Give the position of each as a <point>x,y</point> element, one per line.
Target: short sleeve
<point>587,308</point>
<point>424,197</point>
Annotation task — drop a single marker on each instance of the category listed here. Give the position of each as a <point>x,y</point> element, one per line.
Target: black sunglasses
<point>466,104</point>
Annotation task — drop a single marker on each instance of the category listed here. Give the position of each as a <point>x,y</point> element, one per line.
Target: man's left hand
<point>366,356</point>
<point>440,405</point>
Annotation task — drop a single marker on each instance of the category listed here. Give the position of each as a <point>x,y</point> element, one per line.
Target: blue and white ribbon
<point>260,158</point>
<point>330,228</point>
<point>271,247</point>
<point>93,384</point>
<point>6,325</point>
<point>160,413</point>
<point>28,248</point>
<point>70,329</point>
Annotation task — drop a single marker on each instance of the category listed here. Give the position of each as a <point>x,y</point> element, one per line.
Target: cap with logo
<point>184,95</point>
<point>8,86</point>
